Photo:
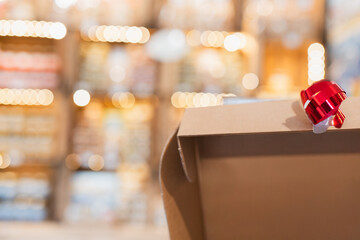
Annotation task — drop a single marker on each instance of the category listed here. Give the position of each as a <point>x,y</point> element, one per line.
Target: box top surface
<point>259,117</point>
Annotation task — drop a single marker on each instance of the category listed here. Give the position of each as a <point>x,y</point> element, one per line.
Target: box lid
<point>259,117</point>
<point>251,118</point>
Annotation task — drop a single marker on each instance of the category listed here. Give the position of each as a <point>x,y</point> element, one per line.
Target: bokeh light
<point>316,62</point>
<point>250,81</point>
<point>96,162</point>
<point>104,33</point>
<point>44,97</point>
<point>123,100</point>
<point>81,97</point>
<point>72,161</point>
<point>234,42</point>
<point>193,99</point>
<point>5,161</point>
<point>24,28</point>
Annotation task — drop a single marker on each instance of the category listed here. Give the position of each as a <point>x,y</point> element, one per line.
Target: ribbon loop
<point>339,119</point>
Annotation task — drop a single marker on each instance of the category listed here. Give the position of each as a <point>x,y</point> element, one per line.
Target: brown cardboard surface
<point>256,171</point>
<point>261,117</point>
<point>282,197</point>
<point>284,190</point>
<point>181,198</point>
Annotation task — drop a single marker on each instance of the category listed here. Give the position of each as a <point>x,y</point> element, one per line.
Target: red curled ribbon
<point>322,100</point>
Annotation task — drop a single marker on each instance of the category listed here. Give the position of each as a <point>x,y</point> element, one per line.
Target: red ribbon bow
<point>322,100</point>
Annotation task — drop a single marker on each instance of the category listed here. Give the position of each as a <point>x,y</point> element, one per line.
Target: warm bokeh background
<point>91,89</point>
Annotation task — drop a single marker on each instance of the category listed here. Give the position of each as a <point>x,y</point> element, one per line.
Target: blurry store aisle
<point>54,231</point>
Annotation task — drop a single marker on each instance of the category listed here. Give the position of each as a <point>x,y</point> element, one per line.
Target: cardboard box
<point>256,171</point>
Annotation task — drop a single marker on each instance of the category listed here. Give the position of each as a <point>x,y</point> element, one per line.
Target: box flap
<point>181,197</point>
<point>188,154</point>
<point>260,117</point>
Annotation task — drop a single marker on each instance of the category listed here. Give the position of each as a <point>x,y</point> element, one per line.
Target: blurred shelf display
<point>115,143</point>
<point>187,14</point>
<point>29,66</point>
<point>105,67</point>
<point>28,134</point>
<point>85,12</point>
<point>285,30</point>
<point>109,196</point>
<point>24,194</point>
<point>118,135</point>
<point>112,133</point>
<point>93,197</point>
<point>343,40</point>
<point>285,71</point>
<point>211,70</point>
<point>31,112</point>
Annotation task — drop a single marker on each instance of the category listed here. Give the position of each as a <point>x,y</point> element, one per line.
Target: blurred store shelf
<point>54,231</point>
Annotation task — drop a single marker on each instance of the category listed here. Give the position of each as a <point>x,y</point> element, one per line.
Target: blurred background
<point>91,89</point>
